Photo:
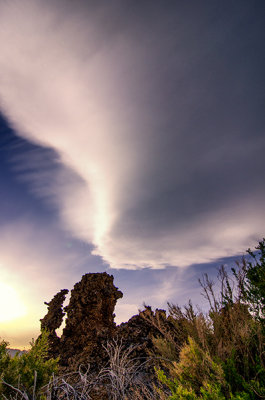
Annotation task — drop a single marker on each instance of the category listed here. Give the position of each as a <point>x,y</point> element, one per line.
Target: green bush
<point>196,375</point>
<point>251,280</point>
<point>224,357</point>
<point>29,371</point>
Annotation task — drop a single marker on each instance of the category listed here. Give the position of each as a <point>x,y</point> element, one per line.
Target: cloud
<point>153,122</point>
<point>157,287</point>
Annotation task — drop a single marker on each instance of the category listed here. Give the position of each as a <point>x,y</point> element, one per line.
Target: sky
<point>131,141</point>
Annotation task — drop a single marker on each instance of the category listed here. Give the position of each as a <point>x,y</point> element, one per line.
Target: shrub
<point>224,356</point>
<point>27,372</point>
<point>251,280</point>
<point>194,371</point>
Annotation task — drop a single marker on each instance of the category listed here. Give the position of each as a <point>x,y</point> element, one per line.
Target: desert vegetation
<point>189,354</point>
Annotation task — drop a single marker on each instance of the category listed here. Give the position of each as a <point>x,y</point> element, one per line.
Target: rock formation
<point>141,328</point>
<point>90,324</point>
<point>140,331</point>
<point>90,319</point>
<point>53,320</point>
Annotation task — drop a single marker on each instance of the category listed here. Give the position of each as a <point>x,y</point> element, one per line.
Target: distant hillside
<point>13,352</point>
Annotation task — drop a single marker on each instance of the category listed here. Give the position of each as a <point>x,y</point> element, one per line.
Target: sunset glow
<point>11,306</point>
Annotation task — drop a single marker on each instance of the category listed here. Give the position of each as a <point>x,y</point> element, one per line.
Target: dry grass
<point>123,378</point>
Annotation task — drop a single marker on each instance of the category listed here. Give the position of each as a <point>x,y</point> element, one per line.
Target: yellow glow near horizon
<point>11,306</point>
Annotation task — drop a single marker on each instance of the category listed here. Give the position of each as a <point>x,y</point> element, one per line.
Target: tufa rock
<point>140,331</point>
<point>90,325</point>
<point>90,320</point>
<point>53,320</point>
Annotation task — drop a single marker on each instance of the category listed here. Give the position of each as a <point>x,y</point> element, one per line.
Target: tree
<point>251,279</point>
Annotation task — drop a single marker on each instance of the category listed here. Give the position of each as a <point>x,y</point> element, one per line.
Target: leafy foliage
<point>196,375</point>
<point>29,371</point>
<point>251,280</point>
<point>223,355</point>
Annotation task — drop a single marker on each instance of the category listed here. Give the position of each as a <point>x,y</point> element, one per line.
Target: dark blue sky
<point>16,194</point>
<point>131,140</point>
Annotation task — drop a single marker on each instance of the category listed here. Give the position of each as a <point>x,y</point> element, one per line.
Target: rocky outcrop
<point>90,324</point>
<point>140,331</point>
<point>141,328</point>
<point>53,320</point>
<point>90,320</point>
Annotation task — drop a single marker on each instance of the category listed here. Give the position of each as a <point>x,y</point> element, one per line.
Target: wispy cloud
<point>156,146</point>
